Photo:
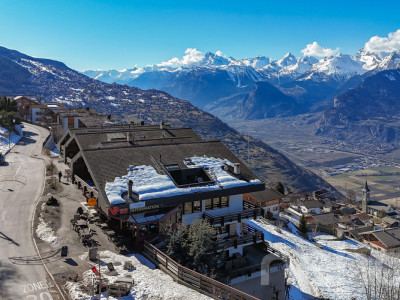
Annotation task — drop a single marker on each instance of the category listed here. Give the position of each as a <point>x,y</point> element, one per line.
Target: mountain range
<point>53,80</point>
<point>341,92</point>
<point>205,82</point>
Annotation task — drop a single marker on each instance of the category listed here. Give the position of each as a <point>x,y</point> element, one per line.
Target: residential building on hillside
<point>310,207</point>
<point>61,120</point>
<point>148,179</point>
<point>33,109</point>
<point>385,240</point>
<point>269,199</point>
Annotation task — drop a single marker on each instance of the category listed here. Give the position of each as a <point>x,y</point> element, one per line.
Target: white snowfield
<point>149,282</point>
<point>6,143</point>
<point>330,272</point>
<point>149,184</point>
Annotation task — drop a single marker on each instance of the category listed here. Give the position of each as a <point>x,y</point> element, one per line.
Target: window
<point>208,204</point>
<point>216,203</point>
<point>224,201</point>
<point>187,208</point>
<point>275,208</point>
<point>191,207</point>
<point>196,206</point>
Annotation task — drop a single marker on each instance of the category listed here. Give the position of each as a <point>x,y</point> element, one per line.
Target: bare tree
<point>379,276</point>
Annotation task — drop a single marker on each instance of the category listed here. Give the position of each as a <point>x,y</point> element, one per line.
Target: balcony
<point>250,236</point>
<point>249,212</point>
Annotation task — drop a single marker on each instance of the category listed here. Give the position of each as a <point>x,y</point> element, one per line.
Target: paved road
<point>21,183</point>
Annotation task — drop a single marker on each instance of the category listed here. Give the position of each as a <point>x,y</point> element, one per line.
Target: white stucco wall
<point>76,122</point>
<point>34,112</point>
<point>65,124</point>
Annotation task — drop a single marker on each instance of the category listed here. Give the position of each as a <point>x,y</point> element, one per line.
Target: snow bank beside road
<point>6,143</point>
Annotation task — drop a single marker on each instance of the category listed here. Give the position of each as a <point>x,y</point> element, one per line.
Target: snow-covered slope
<point>333,272</point>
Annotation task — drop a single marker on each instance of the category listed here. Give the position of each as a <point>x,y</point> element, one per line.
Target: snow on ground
<point>149,184</point>
<point>44,232</point>
<point>149,282</point>
<point>330,272</point>
<point>14,138</point>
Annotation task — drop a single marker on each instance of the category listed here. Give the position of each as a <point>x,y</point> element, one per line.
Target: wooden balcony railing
<point>200,282</point>
<point>251,213</point>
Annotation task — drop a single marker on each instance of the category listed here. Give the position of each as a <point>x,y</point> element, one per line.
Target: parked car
<point>2,159</point>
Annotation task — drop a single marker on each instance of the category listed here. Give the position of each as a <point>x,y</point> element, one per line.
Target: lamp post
<point>9,136</point>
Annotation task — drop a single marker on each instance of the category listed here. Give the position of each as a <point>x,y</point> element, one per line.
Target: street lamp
<point>9,136</point>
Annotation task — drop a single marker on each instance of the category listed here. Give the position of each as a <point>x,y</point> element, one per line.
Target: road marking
<point>17,171</point>
<point>37,288</point>
<point>30,287</point>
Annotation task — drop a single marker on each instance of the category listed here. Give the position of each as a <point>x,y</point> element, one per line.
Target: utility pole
<point>98,259</point>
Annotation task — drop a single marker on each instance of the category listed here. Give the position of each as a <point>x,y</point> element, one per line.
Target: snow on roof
<point>149,184</point>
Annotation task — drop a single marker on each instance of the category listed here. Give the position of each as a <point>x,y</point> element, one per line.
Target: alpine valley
<point>340,97</point>
<point>21,74</point>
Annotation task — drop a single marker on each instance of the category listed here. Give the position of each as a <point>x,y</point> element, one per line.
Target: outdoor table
<point>84,233</point>
<point>103,226</point>
<point>80,223</point>
<point>109,232</point>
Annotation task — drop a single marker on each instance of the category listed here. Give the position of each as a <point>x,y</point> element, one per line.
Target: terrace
<point>250,212</point>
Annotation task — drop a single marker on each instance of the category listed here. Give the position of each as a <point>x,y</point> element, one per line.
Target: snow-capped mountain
<point>204,79</point>
<point>341,67</point>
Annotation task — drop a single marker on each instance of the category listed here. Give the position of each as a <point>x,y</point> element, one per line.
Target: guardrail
<point>86,188</point>
<point>195,280</point>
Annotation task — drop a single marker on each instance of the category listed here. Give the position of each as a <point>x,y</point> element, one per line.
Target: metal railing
<point>251,235</point>
<point>251,213</point>
<point>208,286</point>
<point>86,188</point>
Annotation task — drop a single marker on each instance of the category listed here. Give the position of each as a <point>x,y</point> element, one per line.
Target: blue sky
<point>121,33</point>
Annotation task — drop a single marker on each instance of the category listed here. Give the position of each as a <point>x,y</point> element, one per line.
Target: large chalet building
<point>150,178</point>
<point>147,179</point>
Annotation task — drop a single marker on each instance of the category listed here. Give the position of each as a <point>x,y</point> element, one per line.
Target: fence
<point>86,189</point>
<point>196,280</point>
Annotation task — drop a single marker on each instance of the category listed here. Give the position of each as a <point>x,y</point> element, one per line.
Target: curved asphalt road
<point>21,280</point>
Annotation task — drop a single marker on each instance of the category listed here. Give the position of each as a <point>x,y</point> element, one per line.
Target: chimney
<point>130,183</point>
<point>129,137</point>
<point>236,168</point>
<point>161,125</point>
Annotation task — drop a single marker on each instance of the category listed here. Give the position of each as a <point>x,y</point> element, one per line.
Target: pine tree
<point>303,228</point>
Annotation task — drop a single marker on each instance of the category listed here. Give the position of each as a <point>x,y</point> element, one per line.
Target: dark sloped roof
<point>362,216</point>
<point>348,210</point>
<point>389,237</point>
<point>389,220</point>
<point>266,195</point>
<point>106,164</point>
<point>326,219</point>
<point>311,204</point>
<point>142,135</point>
<point>357,231</point>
